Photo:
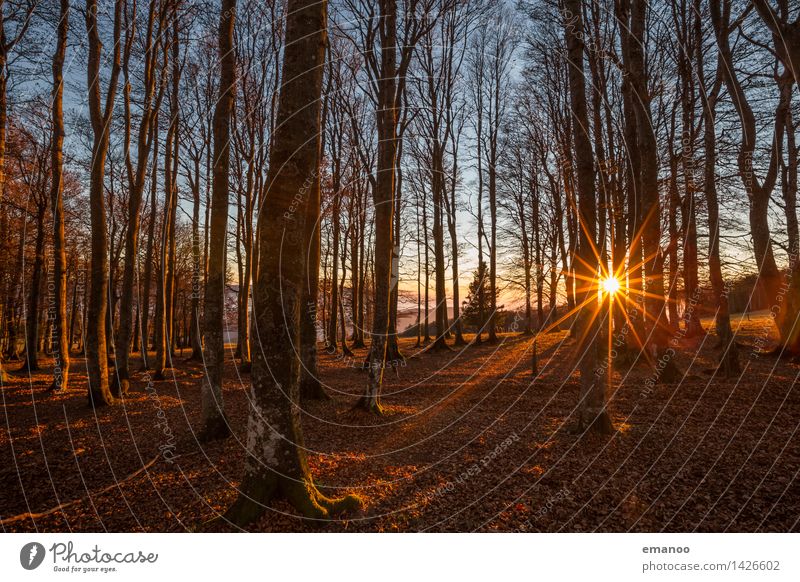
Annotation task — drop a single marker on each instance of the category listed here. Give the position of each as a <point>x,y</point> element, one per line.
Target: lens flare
<point>610,285</point>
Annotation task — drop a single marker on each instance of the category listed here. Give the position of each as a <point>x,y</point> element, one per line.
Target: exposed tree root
<point>371,405</point>
<point>303,495</point>
<point>393,353</point>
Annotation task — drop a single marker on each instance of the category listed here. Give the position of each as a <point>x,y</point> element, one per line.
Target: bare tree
<point>153,83</point>
<point>215,424</point>
<point>592,413</point>
<point>100,117</point>
<point>276,464</point>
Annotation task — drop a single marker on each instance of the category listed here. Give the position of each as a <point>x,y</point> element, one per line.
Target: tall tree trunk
<point>337,193</point>
<point>310,384</point>
<point>355,271</point>
<point>276,464</point>
<point>632,181</point>
<point>592,412</point>
<point>96,358</point>
<point>427,337</point>
<point>61,338</point>
<point>148,254</point>
<point>479,156</point>
<point>32,311</point>
<point>136,185</point>
<point>73,314</point>
<point>493,231</point>
<point>758,190</point>
<point>692,291</point>
<point>195,337</point>
<point>672,230</point>
<point>393,353</point>
<point>165,286</point>
<point>729,365</point>
<point>215,424</point>
<point>656,326</point>
<point>383,198</point>
<point>437,187</point>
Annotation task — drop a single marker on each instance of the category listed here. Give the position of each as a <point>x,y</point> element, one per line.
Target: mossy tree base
<point>302,494</point>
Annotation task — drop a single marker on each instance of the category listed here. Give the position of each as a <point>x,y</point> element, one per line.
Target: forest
<point>399,265</point>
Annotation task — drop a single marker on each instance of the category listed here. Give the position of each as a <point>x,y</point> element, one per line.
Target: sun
<point>610,285</point>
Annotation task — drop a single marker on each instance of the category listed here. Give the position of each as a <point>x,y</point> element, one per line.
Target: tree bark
<point>383,199</point>
<point>592,413</point>
<point>215,424</point>
<point>32,311</point>
<point>758,190</point>
<point>100,116</point>
<point>136,184</point>
<point>276,464</point>
<point>61,339</point>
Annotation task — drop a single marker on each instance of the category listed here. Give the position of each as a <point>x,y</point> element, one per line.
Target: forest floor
<point>472,441</point>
